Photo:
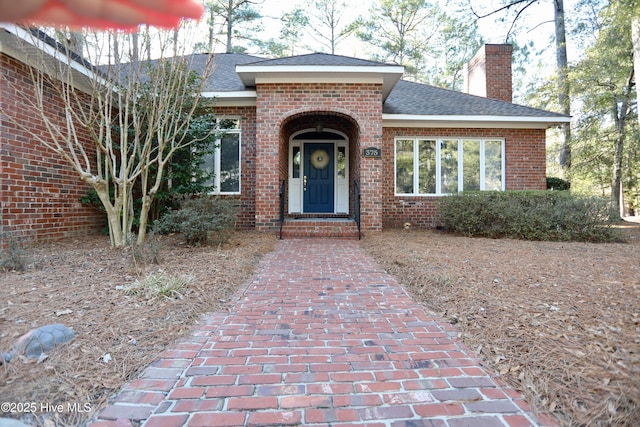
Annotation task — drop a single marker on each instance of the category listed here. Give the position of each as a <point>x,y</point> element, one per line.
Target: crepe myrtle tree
<point>120,123</point>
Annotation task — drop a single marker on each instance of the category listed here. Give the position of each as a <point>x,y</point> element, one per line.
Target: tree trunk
<point>144,219</point>
<point>135,53</point>
<point>563,86</point>
<point>116,234</point>
<point>113,210</point>
<point>230,17</point>
<point>212,30</point>
<point>616,180</point>
<point>147,42</point>
<point>621,112</point>
<point>635,38</point>
<point>116,48</point>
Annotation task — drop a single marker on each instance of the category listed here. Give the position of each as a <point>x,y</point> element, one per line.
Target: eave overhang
<point>484,122</point>
<point>244,98</point>
<point>23,45</point>
<point>386,75</point>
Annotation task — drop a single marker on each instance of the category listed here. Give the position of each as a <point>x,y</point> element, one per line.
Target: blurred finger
<point>120,14</point>
<point>18,10</point>
<point>192,9</point>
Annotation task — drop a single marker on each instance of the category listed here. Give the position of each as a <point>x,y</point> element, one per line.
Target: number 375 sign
<point>371,152</point>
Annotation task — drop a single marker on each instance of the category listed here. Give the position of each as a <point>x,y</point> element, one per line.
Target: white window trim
<point>438,140</point>
<point>217,156</point>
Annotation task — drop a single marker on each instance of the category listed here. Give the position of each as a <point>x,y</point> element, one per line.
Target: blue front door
<point>318,180</point>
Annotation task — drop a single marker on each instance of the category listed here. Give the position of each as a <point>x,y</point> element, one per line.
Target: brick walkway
<point>321,336</point>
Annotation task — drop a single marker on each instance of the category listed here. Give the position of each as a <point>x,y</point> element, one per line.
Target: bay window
<point>438,166</point>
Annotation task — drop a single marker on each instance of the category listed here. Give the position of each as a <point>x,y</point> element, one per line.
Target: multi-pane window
<point>224,160</point>
<point>435,166</point>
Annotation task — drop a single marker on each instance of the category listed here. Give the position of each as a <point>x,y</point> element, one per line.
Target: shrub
<point>201,220</point>
<point>14,257</point>
<point>148,252</point>
<point>557,184</point>
<point>528,215</point>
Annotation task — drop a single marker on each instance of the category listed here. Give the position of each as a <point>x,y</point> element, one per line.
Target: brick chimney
<point>488,73</point>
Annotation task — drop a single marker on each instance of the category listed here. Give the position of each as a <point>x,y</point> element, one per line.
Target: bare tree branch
<point>503,8</point>
<point>130,117</point>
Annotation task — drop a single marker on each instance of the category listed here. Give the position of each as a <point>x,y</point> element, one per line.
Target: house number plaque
<point>371,152</point>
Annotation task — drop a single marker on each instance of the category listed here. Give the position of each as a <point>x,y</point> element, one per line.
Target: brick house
<point>39,192</point>
<point>317,140</point>
<point>320,127</point>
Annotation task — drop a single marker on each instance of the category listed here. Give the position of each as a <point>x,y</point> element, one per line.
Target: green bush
<point>201,220</point>
<point>557,184</point>
<point>528,215</point>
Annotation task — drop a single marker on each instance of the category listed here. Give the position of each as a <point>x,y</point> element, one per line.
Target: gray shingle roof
<point>225,78</point>
<point>424,100</point>
<point>321,59</point>
<point>406,98</point>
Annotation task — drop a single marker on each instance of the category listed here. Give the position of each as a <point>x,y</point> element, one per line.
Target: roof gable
<point>321,68</point>
<point>322,59</point>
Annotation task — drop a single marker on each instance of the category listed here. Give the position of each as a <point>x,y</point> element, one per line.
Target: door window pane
<point>427,166</point>
<point>295,170</point>
<point>404,166</point>
<point>342,162</point>
<point>449,166</point>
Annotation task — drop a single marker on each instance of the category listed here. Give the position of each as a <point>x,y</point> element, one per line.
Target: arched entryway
<point>320,163</point>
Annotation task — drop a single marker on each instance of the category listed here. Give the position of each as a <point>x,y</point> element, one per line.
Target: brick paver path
<point>321,336</point>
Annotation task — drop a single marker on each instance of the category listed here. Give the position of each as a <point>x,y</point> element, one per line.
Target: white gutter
<point>34,41</point>
<point>232,94</point>
<point>240,98</point>
<point>453,121</point>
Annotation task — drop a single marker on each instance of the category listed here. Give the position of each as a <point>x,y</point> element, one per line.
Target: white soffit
<point>503,122</point>
<point>242,98</point>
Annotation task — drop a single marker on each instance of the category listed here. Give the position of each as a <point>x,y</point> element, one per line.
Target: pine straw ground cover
<point>83,284</point>
<point>558,321</point>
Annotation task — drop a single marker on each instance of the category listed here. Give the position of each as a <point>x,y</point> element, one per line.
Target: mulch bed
<point>558,321</point>
<point>83,278</point>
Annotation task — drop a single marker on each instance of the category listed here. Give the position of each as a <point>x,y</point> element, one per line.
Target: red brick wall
<point>247,199</point>
<point>39,192</point>
<point>278,102</point>
<point>524,170</point>
<point>489,72</point>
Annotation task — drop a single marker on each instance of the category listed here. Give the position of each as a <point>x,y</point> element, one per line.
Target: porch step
<point>342,228</point>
